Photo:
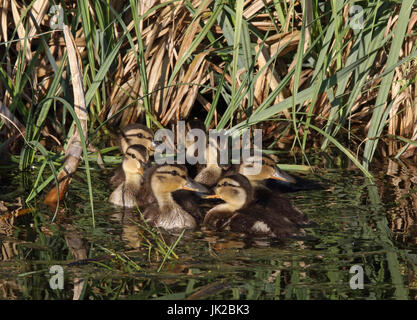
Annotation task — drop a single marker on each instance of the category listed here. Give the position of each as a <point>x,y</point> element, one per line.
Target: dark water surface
<point>373,227</point>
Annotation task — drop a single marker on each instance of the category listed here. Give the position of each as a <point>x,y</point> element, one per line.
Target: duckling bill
<point>290,183</point>
<point>297,184</point>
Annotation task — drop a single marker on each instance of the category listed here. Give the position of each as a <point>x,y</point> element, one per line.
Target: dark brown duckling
<point>241,214</point>
<point>267,197</point>
<point>132,134</point>
<point>126,194</point>
<point>165,211</point>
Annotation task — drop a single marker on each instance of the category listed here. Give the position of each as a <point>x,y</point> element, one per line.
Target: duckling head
<point>136,156</point>
<point>170,178</point>
<point>269,170</point>
<point>195,124</point>
<point>235,190</point>
<point>137,134</point>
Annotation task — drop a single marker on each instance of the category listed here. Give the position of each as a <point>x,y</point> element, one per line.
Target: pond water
<point>373,227</point>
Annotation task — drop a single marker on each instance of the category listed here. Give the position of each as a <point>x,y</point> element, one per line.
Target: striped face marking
<point>168,178</point>
<point>136,135</point>
<point>267,168</point>
<point>170,171</point>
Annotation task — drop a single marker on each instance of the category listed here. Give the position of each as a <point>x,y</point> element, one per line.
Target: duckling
<point>212,171</point>
<point>126,194</point>
<point>194,169</point>
<point>207,173</point>
<point>132,134</point>
<point>268,170</point>
<point>167,212</point>
<point>136,133</point>
<point>292,183</point>
<point>241,214</point>
<point>267,197</point>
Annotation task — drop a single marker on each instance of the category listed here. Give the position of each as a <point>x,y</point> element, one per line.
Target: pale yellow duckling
<point>167,213</point>
<point>268,170</point>
<point>212,171</point>
<point>126,194</point>
<point>132,134</point>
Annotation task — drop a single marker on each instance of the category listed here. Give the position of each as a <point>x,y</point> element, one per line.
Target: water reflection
<point>357,224</point>
<point>403,181</point>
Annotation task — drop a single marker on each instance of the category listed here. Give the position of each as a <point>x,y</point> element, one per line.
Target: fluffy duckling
<point>136,133</point>
<point>132,134</point>
<point>126,194</point>
<point>191,153</point>
<point>267,197</point>
<point>211,172</point>
<point>292,183</point>
<point>167,212</point>
<point>240,213</point>
<point>207,173</point>
<point>258,177</point>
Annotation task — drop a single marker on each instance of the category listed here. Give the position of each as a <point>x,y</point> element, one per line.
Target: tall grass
<point>308,73</point>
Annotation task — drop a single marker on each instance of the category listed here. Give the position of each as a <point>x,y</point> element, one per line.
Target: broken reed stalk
<point>74,149</point>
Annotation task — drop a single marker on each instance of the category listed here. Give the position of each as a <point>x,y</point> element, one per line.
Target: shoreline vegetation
<point>313,75</point>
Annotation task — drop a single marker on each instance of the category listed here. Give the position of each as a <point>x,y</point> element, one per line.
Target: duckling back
<point>256,220</point>
<point>125,195</point>
<point>300,184</point>
<point>269,199</point>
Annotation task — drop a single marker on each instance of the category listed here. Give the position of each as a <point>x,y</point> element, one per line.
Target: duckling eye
<point>132,155</point>
<point>174,173</point>
<point>140,135</point>
<point>263,162</point>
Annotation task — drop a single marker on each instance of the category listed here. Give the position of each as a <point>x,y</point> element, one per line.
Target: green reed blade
<point>377,125</point>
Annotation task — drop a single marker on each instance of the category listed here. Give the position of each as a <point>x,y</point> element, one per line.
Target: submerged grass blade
<point>170,250</point>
